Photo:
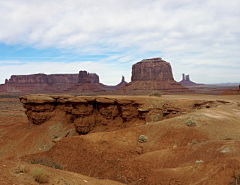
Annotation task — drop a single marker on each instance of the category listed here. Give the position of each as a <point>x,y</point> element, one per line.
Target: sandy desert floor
<point>175,152</point>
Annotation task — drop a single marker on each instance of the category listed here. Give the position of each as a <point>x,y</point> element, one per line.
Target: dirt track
<point>174,153</point>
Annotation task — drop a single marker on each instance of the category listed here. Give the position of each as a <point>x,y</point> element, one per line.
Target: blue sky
<point>200,38</point>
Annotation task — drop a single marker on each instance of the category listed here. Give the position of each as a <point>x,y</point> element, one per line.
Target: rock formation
<point>83,82</point>
<point>92,114</point>
<point>152,75</point>
<point>39,83</point>
<point>43,78</point>
<point>186,81</point>
<point>86,83</point>
<point>152,69</point>
<point>111,88</point>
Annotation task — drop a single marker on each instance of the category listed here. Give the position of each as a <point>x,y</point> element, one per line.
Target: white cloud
<point>189,34</point>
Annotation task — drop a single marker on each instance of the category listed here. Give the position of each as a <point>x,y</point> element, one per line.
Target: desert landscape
<point>152,130</point>
<point>119,92</point>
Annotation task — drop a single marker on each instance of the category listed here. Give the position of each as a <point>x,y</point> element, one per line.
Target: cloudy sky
<point>198,37</point>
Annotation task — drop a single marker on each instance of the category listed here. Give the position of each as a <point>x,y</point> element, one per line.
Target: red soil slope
<point>174,152</point>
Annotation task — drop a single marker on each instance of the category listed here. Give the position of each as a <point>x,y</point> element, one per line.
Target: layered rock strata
<point>152,69</point>
<point>87,83</point>
<point>93,114</point>
<point>153,75</point>
<point>83,82</point>
<point>39,83</point>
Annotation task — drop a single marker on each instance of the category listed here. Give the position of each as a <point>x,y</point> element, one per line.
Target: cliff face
<point>152,75</point>
<point>39,83</point>
<point>85,77</point>
<point>94,114</point>
<point>86,113</point>
<point>87,83</point>
<point>43,78</point>
<point>152,69</point>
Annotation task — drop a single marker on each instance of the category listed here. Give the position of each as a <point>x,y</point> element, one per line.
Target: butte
<point>151,75</point>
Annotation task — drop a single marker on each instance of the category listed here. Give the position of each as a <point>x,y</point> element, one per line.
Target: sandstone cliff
<point>43,78</point>
<point>39,83</point>
<point>87,83</point>
<point>152,75</point>
<point>152,69</point>
<point>94,114</point>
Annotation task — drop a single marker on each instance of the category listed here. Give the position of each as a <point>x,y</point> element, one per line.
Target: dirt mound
<point>19,172</point>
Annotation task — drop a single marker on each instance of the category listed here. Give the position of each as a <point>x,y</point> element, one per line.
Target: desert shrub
<point>19,169</point>
<point>194,141</point>
<point>39,175</point>
<point>45,161</point>
<point>237,175</point>
<point>156,93</point>
<point>142,139</point>
<point>191,123</point>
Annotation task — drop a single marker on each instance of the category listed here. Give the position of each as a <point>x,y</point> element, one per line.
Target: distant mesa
<point>86,83</point>
<point>148,75</point>
<point>187,82</point>
<point>83,82</point>
<point>152,75</point>
<point>152,69</point>
<point>39,83</point>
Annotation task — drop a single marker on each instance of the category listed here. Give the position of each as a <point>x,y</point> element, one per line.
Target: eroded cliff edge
<point>94,114</point>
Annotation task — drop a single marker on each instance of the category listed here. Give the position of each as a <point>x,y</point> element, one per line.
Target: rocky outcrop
<point>152,75</point>
<point>39,83</point>
<point>86,113</point>
<point>93,114</point>
<point>111,88</point>
<point>43,78</point>
<point>187,82</point>
<point>85,77</point>
<point>94,78</point>
<point>87,83</point>
<point>152,69</point>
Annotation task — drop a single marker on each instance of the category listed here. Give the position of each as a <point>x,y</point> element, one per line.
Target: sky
<point>197,37</point>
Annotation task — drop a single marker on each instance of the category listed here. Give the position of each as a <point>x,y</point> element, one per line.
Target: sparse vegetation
<point>237,175</point>
<point>191,123</point>
<point>39,175</point>
<point>19,169</point>
<point>194,141</point>
<point>142,139</point>
<point>46,161</point>
<point>156,93</point>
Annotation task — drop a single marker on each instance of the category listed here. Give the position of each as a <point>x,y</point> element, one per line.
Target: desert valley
<point>152,130</point>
